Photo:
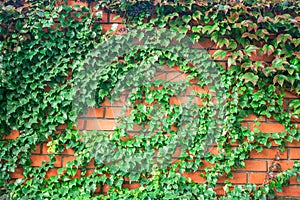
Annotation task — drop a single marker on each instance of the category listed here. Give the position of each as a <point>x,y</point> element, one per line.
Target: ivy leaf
<point>282,38</point>
<point>250,49</point>
<point>278,64</point>
<point>210,28</point>
<point>249,35</point>
<point>186,18</point>
<point>196,29</point>
<point>222,42</point>
<point>250,77</point>
<point>233,17</point>
<point>279,78</point>
<point>219,54</point>
<point>231,61</point>
<point>268,49</point>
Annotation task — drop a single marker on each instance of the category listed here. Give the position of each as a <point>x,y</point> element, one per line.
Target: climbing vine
<point>55,61</point>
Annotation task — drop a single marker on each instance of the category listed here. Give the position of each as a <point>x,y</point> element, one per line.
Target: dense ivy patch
<point>55,61</point>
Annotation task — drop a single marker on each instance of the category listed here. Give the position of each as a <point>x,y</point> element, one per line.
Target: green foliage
<point>49,52</point>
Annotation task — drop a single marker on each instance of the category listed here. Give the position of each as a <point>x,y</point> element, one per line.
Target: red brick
<point>293,144</point>
<point>37,149</point>
<point>269,127</point>
<point>171,69</point>
<point>213,150</point>
<point>17,174</point>
<point>68,151</point>
<point>105,188</point>
<point>106,27</point>
<point>176,76</point>
<point>219,190</point>
<point>95,112</point>
<point>177,152</point>
<point>47,88</point>
<point>178,100</point>
<point>80,125</point>
<point>101,124</point>
<point>38,159</point>
<point>195,176</point>
<point>293,180</point>
<point>245,124</point>
<point>51,172</point>
<point>295,119</point>
<point>161,76</point>
<point>121,102</point>
<point>135,128</point>
<point>62,127</point>
<point>89,172</point>
<point>289,191</point>
<point>253,117</point>
<point>45,149</point>
<point>294,153</point>
<point>290,95</point>
<point>258,57</point>
<point>98,189</point>
<point>91,164</point>
<point>68,159</point>
<point>104,16</point>
<point>12,135</point>
<point>284,164</point>
<point>254,165</point>
<point>113,112</point>
<point>207,43</point>
<point>73,3</point>
<point>196,88</point>
<point>257,178</point>
<point>132,186</point>
<point>238,178</point>
<point>78,174</point>
<point>224,64</point>
<point>205,165</point>
<point>267,153</point>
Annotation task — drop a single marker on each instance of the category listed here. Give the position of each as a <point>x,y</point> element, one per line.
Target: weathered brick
<point>95,112</point>
<point>268,154</point>
<point>121,102</point>
<point>257,178</point>
<point>131,186</point>
<point>51,172</point>
<point>113,112</point>
<point>293,180</point>
<point>17,174</point>
<point>37,149</point>
<point>38,159</point>
<point>289,191</point>
<point>284,164</point>
<point>294,153</point>
<point>68,159</point>
<point>238,178</point>
<point>269,127</point>
<point>12,135</point>
<point>103,124</point>
<point>254,165</point>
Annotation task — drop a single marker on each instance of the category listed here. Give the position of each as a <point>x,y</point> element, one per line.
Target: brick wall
<point>104,118</point>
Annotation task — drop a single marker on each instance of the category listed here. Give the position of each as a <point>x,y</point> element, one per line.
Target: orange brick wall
<point>104,118</point>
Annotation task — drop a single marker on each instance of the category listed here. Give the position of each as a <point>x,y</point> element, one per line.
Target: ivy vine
<point>55,61</point>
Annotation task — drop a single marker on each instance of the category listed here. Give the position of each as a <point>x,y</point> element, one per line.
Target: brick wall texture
<point>104,118</point>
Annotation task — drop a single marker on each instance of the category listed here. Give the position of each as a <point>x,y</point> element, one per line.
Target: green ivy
<point>55,62</point>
